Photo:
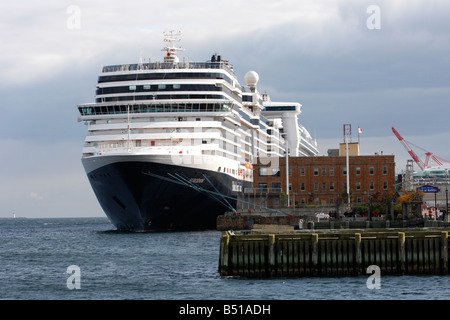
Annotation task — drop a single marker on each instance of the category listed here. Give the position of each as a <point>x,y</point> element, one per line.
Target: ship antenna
<point>171,50</point>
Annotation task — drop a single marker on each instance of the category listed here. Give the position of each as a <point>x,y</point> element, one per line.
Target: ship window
<point>161,86</point>
<point>132,88</point>
<point>147,87</point>
<point>176,86</point>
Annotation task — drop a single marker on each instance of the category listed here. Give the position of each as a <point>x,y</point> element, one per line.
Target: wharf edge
<point>334,253</point>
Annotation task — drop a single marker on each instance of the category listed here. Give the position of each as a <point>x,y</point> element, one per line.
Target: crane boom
<point>408,148</point>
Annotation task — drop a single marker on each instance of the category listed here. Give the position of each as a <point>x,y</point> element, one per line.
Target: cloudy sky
<point>372,64</point>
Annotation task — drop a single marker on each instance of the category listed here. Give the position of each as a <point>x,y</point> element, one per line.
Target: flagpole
<point>359,130</point>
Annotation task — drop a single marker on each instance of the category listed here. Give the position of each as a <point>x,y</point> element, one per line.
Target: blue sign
<point>428,189</point>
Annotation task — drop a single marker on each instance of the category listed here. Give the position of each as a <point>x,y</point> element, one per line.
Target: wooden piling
<point>358,256</point>
<point>444,242</point>
<point>315,254</point>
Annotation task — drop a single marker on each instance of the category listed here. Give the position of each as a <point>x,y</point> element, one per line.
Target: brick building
<point>323,180</point>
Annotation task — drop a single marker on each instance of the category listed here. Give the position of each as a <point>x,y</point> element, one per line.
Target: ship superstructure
<point>171,144</point>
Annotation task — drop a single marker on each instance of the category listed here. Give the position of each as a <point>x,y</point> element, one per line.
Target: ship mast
<point>171,50</point>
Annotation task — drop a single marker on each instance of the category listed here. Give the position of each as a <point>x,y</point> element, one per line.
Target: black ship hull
<point>150,196</point>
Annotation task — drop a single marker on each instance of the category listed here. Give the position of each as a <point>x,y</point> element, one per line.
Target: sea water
<point>86,259</point>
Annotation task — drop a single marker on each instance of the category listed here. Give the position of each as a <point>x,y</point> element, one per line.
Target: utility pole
<point>287,170</point>
<point>347,136</point>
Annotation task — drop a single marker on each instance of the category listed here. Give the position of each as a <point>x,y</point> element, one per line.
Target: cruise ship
<point>170,144</point>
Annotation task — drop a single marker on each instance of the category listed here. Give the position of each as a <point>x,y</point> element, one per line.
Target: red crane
<point>429,155</point>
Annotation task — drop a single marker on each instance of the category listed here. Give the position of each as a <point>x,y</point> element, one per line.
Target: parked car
<point>322,215</point>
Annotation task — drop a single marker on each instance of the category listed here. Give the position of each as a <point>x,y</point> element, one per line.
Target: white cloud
<point>36,196</point>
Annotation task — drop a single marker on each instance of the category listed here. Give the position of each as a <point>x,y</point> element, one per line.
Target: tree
<point>411,202</point>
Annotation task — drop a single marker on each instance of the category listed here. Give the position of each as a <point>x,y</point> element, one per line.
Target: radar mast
<point>171,50</point>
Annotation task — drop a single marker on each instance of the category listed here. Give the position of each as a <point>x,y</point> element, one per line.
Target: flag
<point>359,130</point>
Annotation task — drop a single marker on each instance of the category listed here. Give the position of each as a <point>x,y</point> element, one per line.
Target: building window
<point>290,187</point>
<point>358,186</point>
<point>275,172</point>
<point>344,171</point>
<point>302,186</point>
<point>359,200</point>
<point>290,171</point>
<point>372,185</point>
<point>331,185</point>
<point>385,185</point>
<point>385,170</point>
<point>371,170</point>
<point>324,186</point>
<point>303,200</point>
<point>302,172</point>
<point>331,200</point>
<point>358,171</point>
<point>324,172</point>
<point>262,172</point>
<point>276,185</point>
<point>316,186</point>
<point>262,186</point>
<point>331,170</point>
<point>316,172</point>
<point>316,201</point>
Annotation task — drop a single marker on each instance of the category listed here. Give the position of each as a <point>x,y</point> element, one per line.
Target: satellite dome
<point>251,78</point>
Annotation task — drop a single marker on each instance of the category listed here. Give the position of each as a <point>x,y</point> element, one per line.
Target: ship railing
<point>119,148</point>
<point>262,190</point>
<point>167,65</point>
<point>147,107</point>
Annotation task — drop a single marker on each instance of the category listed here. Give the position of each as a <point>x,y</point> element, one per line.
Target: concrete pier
<point>246,221</point>
<point>289,253</point>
